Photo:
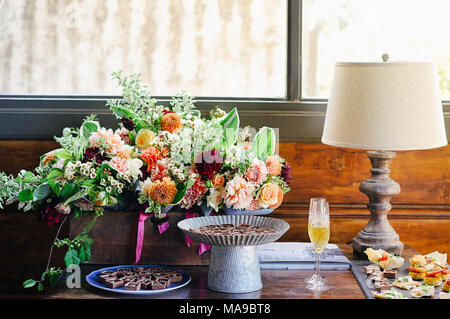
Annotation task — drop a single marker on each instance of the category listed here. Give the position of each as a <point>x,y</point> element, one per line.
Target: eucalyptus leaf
<point>42,191</point>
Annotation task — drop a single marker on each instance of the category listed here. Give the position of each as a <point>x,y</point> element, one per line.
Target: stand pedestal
<point>378,233</point>
<point>234,269</point>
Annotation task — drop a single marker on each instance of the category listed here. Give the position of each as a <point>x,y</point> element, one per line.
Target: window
<point>226,48</point>
<point>362,30</point>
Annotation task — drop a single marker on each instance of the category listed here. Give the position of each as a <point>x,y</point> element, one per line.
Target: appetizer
<point>433,278</point>
<point>446,286</point>
<point>384,259</point>
<point>406,283</point>
<point>416,273</point>
<point>422,291</point>
<point>389,294</point>
<point>444,295</point>
<point>433,265</point>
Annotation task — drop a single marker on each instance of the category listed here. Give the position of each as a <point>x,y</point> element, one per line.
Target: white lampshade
<point>385,106</point>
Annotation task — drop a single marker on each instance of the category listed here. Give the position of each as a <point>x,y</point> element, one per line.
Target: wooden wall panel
<point>421,213</point>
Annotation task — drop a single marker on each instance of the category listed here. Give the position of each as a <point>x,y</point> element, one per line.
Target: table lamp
<point>383,107</point>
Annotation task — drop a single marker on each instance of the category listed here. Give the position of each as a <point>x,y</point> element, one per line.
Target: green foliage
<point>42,191</point>
<point>69,190</point>
<point>25,195</point>
<point>230,126</point>
<point>264,143</point>
<point>51,276</point>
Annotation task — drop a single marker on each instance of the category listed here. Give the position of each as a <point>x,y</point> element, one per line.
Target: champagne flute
<point>315,204</point>
<point>319,234</point>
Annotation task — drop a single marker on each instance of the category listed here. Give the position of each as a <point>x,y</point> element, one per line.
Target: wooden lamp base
<point>378,233</point>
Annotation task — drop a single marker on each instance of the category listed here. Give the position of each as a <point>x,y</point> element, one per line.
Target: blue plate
<point>92,279</point>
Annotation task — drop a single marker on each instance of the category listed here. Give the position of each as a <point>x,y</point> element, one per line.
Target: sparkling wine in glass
<point>319,234</point>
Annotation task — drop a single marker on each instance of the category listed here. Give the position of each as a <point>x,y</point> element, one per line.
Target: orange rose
<point>171,122</point>
<point>268,195</point>
<point>273,165</point>
<point>218,180</point>
<point>280,197</point>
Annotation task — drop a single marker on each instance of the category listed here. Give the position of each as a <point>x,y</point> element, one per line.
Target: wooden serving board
<point>367,286</point>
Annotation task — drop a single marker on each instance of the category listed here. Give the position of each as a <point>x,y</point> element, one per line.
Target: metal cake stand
<point>234,263</point>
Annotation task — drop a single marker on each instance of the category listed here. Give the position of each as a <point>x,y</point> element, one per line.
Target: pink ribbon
<point>163,227</point>
<point>202,248</point>
<point>140,234</point>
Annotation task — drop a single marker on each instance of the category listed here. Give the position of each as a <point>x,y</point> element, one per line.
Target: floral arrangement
<point>163,155</point>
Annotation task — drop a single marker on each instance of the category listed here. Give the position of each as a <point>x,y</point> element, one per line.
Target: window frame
<point>301,120</point>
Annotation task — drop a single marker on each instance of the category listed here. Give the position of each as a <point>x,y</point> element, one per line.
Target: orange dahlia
<point>273,165</point>
<point>171,122</point>
<point>163,192</point>
<point>280,197</point>
<point>151,155</point>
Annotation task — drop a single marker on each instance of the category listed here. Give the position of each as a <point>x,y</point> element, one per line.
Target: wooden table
<point>278,284</point>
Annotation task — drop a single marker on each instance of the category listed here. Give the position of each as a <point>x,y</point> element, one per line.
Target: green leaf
<point>89,226</point>
<point>182,188</point>
<point>230,126</point>
<point>55,187</point>
<point>40,286</point>
<point>85,239</point>
<point>120,112</point>
<point>29,177</point>
<point>42,191</point>
<point>88,127</point>
<point>77,195</point>
<point>63,154</point>
<point>264,143</point>
<point>68,191</point>
<point>55,172</point>
<point>82,254</point>
<point>87,252</point>
<point>25,195</point>
<point>71,257</point>
<point>29,283</point>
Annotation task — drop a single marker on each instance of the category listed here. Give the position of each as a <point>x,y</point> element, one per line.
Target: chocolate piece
<point>230,230</point>
<point>382,286</point>
<point>390,273</point>
<point>138,269</point>
<point>104,278</point>
<point>114,283</point>
<point>175,277</point>
<point>107,272</point>
<point>147,284</point>
<point>124,269</point>
<point>157,285</point>
<point>133,286</point>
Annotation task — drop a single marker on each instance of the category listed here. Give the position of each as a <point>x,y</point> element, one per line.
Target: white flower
<point>108,189</point>
<point>134,168</point>
<point>93,175</point>
<point>214,198</point>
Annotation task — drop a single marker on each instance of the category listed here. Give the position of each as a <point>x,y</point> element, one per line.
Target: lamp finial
<point>385,57</point>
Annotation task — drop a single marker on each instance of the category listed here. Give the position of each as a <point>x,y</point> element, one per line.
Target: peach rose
<point>273,165</point>
<point>144,137</point>
<point>280,197</point>
<point>218,180</point>
<point>268,195</point>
